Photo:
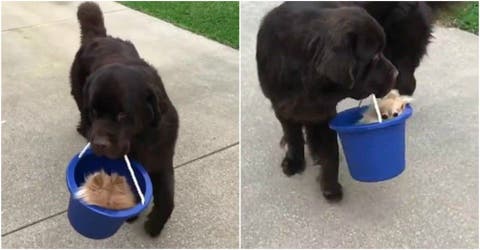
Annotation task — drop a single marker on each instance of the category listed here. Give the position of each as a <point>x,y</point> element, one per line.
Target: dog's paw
<point>292,166</point>
<point>153,229</point>
<point>332,192</point>
<point>132,219</point>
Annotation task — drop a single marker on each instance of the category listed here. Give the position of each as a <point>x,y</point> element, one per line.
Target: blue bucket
<point>376,151</point>
<point>93,221</point>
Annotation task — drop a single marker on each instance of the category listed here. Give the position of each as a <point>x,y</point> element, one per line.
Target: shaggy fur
<point>124,108</point>
<point>108,191</point>
<point>311,55</point>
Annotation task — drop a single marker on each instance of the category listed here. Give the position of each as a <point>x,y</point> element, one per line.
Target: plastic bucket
<point>376,151</point>
<point>93,221</point>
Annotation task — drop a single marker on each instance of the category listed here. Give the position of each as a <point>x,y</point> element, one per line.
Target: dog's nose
<point>395,74</point>
<point>101,142</point>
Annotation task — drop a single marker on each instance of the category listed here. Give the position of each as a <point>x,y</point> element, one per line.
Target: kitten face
<point>391,106</point>
<point>112,192</point>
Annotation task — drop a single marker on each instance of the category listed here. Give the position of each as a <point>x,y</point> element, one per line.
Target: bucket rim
<point>124,213</point>
<point>356,128</point>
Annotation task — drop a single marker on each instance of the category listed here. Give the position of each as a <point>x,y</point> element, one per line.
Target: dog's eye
<point>93,113</point>
<point>376,58</point>
<point>121,117</point>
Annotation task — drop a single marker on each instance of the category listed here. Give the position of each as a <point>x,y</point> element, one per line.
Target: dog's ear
<point>338,63</point>
<point>155,108</point>
<point>85,91</point>
<point>86,98</point>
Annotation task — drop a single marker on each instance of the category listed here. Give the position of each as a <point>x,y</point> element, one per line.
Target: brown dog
<point>310,58</point>
<point>312,55</point>
<point>124,108</point>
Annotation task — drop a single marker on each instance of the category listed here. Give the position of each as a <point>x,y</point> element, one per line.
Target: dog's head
<point>349,54</point>
<point>119,104</point>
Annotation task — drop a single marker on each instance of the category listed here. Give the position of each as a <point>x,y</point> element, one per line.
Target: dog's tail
<point>91,22</point>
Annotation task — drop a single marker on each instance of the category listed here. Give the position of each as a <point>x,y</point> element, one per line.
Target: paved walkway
<point>39,136</point>
<point>433,204</point>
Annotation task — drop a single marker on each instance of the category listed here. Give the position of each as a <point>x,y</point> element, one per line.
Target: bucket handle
<point>377,109</point>
<point>129,166</point>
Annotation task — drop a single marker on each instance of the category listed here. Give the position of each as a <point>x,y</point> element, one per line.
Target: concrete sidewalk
<point>39,136</point>
<point>433,204</point>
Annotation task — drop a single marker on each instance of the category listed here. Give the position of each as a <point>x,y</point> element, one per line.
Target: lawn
<point>215,20</point>
<point>463,15</point>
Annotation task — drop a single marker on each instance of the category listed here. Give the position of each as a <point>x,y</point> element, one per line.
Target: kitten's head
<point>122,196</point>
<point>112,192</point>
<point>393,104</point>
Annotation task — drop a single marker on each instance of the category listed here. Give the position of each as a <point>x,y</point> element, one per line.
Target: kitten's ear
<point>98,179</point>
<point>118,179</point>
<point>406,99</point>
<point>114,176</point>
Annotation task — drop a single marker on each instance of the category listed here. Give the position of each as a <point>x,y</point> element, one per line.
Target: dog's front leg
<point>294,160</point>
<point>323,145</point>
<point>163,191</point>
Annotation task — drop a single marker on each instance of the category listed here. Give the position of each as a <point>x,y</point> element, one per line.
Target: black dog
<point>124,108</point>
<point>311,55</point>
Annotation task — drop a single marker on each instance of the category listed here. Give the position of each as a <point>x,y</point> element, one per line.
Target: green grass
<point>215,20</point>
<point>463,15</point>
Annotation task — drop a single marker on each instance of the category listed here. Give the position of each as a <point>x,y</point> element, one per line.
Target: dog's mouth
<point>109,153</point>
<point>361,95</point>
<point>381,93</point>
<point>378,87</point>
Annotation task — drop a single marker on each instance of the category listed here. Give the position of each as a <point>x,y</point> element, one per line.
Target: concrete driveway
<point>433,204</point>
<point>39,41</point>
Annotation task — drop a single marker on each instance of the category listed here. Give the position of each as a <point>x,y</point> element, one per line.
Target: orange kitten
<point>112,192</point>
<point>390,106</point>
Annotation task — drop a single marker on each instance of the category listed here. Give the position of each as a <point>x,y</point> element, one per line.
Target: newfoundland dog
<point>124,108</point>
<point>312,55</point>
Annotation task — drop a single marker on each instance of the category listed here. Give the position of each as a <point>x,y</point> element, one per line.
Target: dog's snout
<point>101,142</point>
<point>394,74</point>
<point>126,148</point>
